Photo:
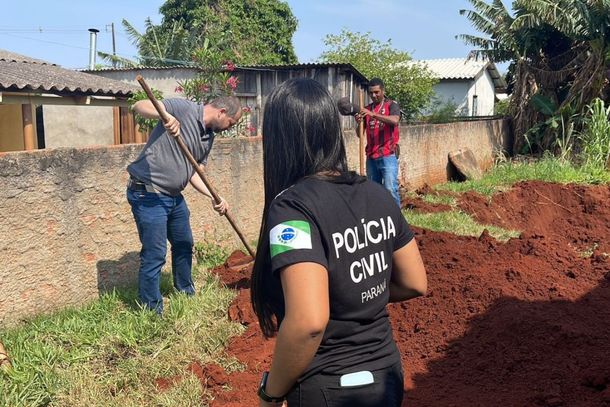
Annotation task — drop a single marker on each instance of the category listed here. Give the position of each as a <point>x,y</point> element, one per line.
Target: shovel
<point>196,166</point>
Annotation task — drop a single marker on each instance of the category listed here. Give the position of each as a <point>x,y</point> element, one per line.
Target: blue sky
<point>56,30</point>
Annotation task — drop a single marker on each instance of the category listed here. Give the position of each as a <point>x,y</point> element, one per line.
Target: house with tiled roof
<point>44,105</point>
<point>472,85</point>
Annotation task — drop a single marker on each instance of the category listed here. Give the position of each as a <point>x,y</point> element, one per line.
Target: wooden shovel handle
<point>362,136</point>
<point>189,156</point>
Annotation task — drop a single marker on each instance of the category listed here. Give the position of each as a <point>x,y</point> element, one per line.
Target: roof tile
<point>18,72</point>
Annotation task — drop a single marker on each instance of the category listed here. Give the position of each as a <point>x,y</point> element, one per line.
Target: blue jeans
<point>159,218</point>
<point>384,171</point>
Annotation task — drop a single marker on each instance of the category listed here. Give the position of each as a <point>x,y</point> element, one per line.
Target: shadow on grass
<point>121,277</point>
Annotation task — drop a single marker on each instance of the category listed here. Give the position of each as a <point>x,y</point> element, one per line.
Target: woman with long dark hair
<point>333,250</point>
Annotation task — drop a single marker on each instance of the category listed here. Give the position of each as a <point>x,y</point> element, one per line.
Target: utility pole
<point>113,43</point>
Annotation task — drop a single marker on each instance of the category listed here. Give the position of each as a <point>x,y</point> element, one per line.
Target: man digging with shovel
<point>157,178</point>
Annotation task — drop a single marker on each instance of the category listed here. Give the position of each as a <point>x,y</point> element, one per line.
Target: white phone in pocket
<point>356,379</point>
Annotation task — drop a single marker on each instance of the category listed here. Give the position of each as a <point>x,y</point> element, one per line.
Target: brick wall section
<point>67,233</point>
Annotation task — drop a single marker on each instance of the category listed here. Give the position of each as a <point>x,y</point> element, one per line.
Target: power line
<point>62,44</point>
<point>181,62</point>
<point>41,29</point>
<point>40,40</point>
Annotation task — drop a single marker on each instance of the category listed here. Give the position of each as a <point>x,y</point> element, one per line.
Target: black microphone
<point>347,108</point>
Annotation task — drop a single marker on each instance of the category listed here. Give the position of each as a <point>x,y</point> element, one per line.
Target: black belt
<point>137,185</point>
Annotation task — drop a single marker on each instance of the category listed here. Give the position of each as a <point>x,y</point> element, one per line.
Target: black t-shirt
<point>352,230</point>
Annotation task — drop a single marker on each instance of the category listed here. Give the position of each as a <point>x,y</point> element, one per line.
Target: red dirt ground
<point>524,323</point>
<point>417,203</point>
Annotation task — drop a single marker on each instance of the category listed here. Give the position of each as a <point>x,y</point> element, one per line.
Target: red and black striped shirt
<point>381,138</point>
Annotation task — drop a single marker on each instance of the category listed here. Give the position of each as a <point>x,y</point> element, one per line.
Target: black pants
<point>323,390</point>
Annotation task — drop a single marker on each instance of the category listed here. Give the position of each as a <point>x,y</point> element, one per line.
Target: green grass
<point>456,222</point>
<point>549,169</point>
<point>110,352</point>
<point>437,199</point>
<point>500,178</point>
<point>209,254</point>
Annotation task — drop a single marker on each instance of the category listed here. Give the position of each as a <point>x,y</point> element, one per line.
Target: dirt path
<point>525,323</point>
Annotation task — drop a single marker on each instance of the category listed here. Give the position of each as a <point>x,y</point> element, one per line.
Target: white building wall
<point>462,93</point>
<point>483,88</point>
<point>164,80</point>
<point>456,92</point>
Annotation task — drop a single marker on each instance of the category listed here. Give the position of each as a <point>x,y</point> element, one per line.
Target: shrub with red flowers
<point>244,127</point>
<point>215,78</point>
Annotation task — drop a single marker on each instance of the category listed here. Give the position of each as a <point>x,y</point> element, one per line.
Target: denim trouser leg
<point>181,238</point>
<point>372,172</point>
<point>158,217</point>
<point>385,171</point>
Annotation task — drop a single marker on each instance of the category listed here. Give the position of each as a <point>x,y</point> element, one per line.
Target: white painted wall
<point>483,87</point>
<point>77,126</point>
<point>454,91</point>
<point>165,80</point>
<point>462,93</point>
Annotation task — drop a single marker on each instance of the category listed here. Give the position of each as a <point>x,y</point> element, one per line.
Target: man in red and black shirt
<point>381,120</point>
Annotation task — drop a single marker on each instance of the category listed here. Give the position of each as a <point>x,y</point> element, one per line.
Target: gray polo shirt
<point>161,162</point>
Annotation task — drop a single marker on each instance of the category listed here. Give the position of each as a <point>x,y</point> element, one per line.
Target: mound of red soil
<point>576,214</point>
<point>418,204</point>
<point>522,323</point>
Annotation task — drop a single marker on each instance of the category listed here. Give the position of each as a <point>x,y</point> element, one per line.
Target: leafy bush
<point>216,79</point>
<point>501,107</point>
<point>409,84</point>
<point>145,124</point>
<point>443,111</point>
<point>210,254</point>
<point>215,76</point>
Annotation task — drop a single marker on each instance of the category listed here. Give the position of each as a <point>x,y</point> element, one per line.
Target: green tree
<point>214,77</point>
<point>408,83</point>
<point>559,52</point>
<point>145,124</point>
<point>258,31</point>
<point>157,47</point>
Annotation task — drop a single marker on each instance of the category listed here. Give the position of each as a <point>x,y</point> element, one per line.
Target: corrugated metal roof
<point>18,73</point>
<point>454,68</point>
<point>138,68</point>
<point>462,68</point>
<point>299,66</point>
<point>278,67</point>
<point>312,65</point>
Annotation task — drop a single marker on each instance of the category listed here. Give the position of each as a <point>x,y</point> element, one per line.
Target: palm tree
<point>493,20</point>
<point>587,24</point>
<point>156,47</point>
<point>558,50</point>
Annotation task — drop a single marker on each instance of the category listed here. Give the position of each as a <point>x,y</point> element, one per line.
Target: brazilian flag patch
<point>290,235</point>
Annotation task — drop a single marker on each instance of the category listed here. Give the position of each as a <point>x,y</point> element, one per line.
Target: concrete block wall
<point>424,149</point>
<point>66,229</point>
